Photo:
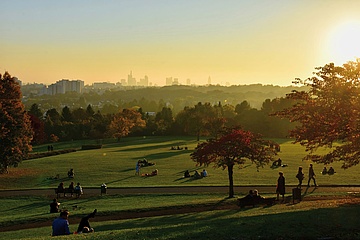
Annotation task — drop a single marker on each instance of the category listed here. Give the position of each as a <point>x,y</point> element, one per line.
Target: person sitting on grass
<point>204,173</point>
<point>54,206</point>
<point>324,171</point>
<point>196,174</point>
<point>186,174</point>
<point>71,173</point>
<point>153,173</point>
<point>257,196</point>
<point>60,225</point>
<point>331,171</point>
<point>84,225</point>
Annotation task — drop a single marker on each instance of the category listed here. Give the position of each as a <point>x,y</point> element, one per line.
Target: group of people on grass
<point>144,163</point>
<point>196,174</point>
<point>60,225</point>
<point>329,171</point>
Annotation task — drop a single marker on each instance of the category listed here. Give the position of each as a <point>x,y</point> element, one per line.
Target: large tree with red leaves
<point>328,113</point>
<point>15,125</point>
<point>234,147</point>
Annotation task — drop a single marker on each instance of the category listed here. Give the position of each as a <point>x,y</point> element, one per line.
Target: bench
<point>65,191</point>
<point>242,202</point>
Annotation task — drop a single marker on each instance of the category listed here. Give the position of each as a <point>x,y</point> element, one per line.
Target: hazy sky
<point>235,41</point>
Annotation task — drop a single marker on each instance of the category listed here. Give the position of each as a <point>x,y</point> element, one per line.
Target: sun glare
<point>345,43</point>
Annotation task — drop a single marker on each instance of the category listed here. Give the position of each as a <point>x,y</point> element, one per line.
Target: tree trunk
<point>231,180</point>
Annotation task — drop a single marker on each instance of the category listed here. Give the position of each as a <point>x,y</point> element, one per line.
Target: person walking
<point>311,176</point>
<point>300,176</point>
<point>280,187</point>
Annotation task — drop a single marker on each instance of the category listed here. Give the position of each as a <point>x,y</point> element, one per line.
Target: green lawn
<point>308,220</point>
<point>114,165</point>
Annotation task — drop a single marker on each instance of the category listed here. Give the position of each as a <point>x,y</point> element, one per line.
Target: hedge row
<point>50,153</point>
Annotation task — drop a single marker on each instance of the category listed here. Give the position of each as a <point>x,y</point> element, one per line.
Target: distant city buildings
<point>63,86</point>
<point>66,85</point>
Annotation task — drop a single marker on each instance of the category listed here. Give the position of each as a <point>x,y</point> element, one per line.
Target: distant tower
<point>131,80</point>
<point>188,81</point>
<point>169,81</point>
<point>209,80</point>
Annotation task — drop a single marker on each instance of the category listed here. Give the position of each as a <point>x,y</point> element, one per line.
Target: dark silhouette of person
<point>311,176</point>
<point>300,177</point>
<point>54,206</point>
<point>84,225</point>
<point>280,187</point>
<point>71,188</point>
<point>71,173</point>
<point>186,174</point>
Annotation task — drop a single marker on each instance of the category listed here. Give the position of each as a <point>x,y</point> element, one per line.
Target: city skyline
<point>234,41</point>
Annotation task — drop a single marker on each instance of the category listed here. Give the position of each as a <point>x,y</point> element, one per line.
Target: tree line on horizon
<point>202,119</point>
<point>327,112</point>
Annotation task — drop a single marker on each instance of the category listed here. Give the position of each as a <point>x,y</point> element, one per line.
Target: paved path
<point>239,190</point>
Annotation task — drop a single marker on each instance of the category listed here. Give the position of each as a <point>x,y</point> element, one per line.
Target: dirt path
<point>239,190</point>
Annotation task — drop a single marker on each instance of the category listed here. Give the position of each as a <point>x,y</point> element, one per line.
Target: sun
<point>344,42</point>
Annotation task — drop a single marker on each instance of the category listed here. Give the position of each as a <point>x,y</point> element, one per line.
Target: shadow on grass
<point>119,180</point>
<point>341,223</point>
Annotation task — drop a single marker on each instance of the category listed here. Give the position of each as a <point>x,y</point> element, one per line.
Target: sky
<point>234,42</point>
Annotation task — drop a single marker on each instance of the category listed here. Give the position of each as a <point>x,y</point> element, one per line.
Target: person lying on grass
<point>153,173</point>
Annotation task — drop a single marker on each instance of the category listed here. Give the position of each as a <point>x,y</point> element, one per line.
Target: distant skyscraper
<point>188,81</point>
<point>169,81</point>
<point>209,80</point>
<point>176,81</point>
<point>131,80</point>
<point>144,81</point>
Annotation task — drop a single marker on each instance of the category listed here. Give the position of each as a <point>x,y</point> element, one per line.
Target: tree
<point>35,110</point>
<point>199,119</point>
<point>234,147</point>
<point>16,133</point>
<point>124,122</point>
<point>164,120</point>
<point>327,113</point>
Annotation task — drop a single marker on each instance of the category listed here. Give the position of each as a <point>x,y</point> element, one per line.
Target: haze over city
<point>233,41</point>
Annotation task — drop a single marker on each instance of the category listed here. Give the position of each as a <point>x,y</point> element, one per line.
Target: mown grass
<point>114,165</point>
<point>22,209</point>
<point>307,220</point>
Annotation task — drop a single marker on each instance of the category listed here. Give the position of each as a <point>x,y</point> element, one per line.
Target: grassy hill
<point>114,164</point>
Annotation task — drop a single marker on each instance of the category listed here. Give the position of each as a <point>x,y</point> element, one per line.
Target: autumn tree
<point>123,122</point>
<point>234,147</point>
<point>327,113</point>
<point>16,132</point>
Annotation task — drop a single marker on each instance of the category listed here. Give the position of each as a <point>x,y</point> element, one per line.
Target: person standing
<point>60,225</point>
<point>280,187</point>
<point>311,176</point>
<point>300,177</point>
<point>137,169</point>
